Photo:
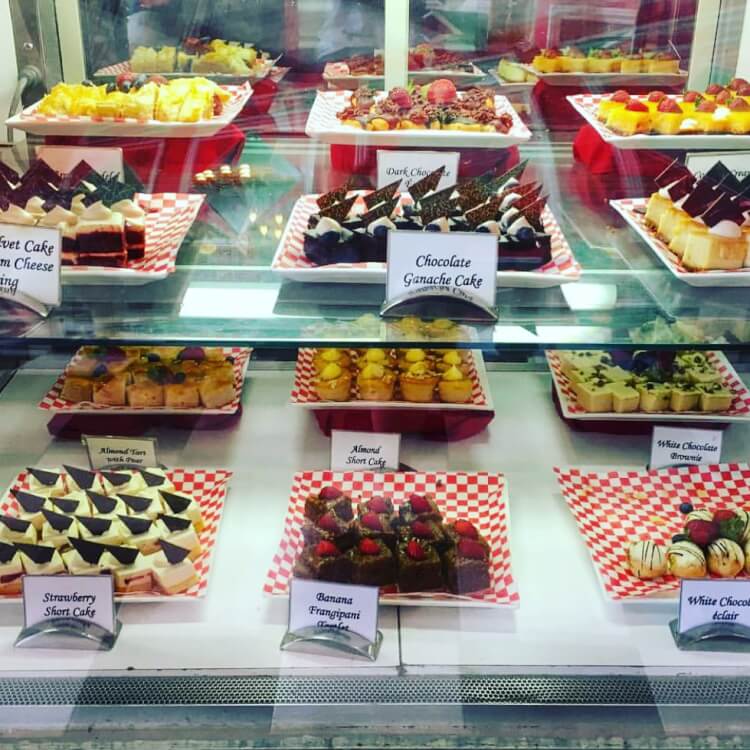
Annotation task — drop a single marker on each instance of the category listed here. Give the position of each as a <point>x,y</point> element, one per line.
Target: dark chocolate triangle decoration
<point>384,209</point>
<point>175,523</point>
<point>123,555</point>
<point>430,182</point>
<point>333,196</point>
<point>15,524</point>
<point>339,211</point>
<point>384,194</point>
<point>95,526</point>
<point>91,552</point>
<point>38,553</point>
<point>7,552</point>
<point>57,521</point>
<point>29,502</point>
<point>135,503</point>
<point>82,477</point>
<point>102,503</point>
<point>486,212</point>
<point>65,504</point>
<point>135,524</point>
<point>152,480</point>
<point>47,478</point>
<point>116,478</point>
<point>176,503</point>
<point>173,553</point>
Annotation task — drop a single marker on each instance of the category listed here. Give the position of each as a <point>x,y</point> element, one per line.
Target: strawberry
<point>419,504</point>
<point>723,515</point>
<point>124,77</point>
<point>636,106</point>
<point>724,97</point>
<point>415,550</point>
<point>472,549</point>
<point>656,96</point>
<point>620,96</point>
<point>739,105</point>
<point>401,97</point>
<point>706,106</point>
<point>372,522</point>
<point>692,96</point>
<point>328,523</point>
<point>326,549</point>
<point>218,106</point>
<point>369,547</point>
<point>441,91</point>
<point>378,504</point>
<point>669,105</point>
<point>737,83</point>
<point>552,52</point>
<point>714,89</point>
<point>330,493</point>
<point>744,90</point>
<point>422,530</point>
<point>466,529</point>
<point>702,532</point>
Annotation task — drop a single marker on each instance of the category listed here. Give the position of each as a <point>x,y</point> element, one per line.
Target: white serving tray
<point>591,80</point>
<point>338,80</point>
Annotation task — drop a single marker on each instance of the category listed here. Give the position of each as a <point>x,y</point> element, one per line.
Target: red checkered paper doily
<point>208,487</point>
<point>124,67</point>
<point>53,400</point>
<point>303,392</point>
<point>739,411</point>
<point>614,508</point>
<point>479,498</point>
<point>291,254</point>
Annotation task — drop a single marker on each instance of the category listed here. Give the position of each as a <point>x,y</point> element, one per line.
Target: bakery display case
<point>210,409</point>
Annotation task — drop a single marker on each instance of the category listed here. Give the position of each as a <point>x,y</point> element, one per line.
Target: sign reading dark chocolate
<point>135,503</point>
<point>57,521</point>
<point>174,554</point>
<point>123,555</point>
<point>29,502</point>
<point>102,503</point>
<point>37,553</point>
<point>176,503</point>
<point>90,552</point>
<point>412,167</point>
<point>47,478</point>
<point>175,523</point>
<point>82,477</point>
<point>135,524</point>
<point>15,524</point>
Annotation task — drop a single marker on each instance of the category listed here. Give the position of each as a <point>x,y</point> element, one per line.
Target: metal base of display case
<point>316,639</point>
<point>68,633</point>
<point>727,637</point>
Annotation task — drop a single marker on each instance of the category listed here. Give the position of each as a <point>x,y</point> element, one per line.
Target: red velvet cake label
<point>30,264</point>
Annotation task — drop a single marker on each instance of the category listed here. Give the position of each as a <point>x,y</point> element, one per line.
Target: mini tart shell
<point>376,389</point>
<point>343,361</point>
<point>338,389</point>
<point>418,389</point>
<point>455,391</point>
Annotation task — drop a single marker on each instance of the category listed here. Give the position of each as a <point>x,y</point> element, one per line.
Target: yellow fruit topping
<point>331,355</point>
<point>443,324</point>
<point>418,369</point>
<point>331,372</point>
<point>453,374</point>
<point>414,355</point>
<point>375,355</point>
<point>452,358</point>
<point>373,371</point>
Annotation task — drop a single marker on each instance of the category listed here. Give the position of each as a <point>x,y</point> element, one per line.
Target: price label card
<point>339,606</point>
<point>30,264</point>
<point>357,451</point>
<point>462,263</point>
<point>66,158</point>
<point>736,161</point>
<point>89,599</point>
<point>107,450</point>
<point>714,601</point>
<point>412,166</point>
<point>678,445</point>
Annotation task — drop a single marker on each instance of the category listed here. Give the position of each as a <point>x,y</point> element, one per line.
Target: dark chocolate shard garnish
<point>8,173</point>
<point>514,173</point>
<point>7,551</point>
<point>173,553</point>
<point>116,478</point>
<point>384,194</point>
<point>176,523</point>
<point>681,188</point>
<point>486,212</point>
<point>95,526</point>
<point>65,504</point>
<point>420,188</point>
<point>123,555</point>
<point>339,211</point>
<point>438,209</point>
<point>38,553</point>
<point>384,209</point>
<point>47,478</point>
<point>90,552</point>
<point>700,199</point>
<point>176,503</point>
<point>102,503</point>
<point>720,174</point>
<point>135,524</point>
<point>5,187</point>
<point>82,477</point>
<point>15,524</point>
<point>533,214</point>
<point>29,502</point>
<point>57,521</point>
<point>82,171</point>
<point>532,196</point>
<point>671,173</point>
<point>41,171</point>
<point>471,193</point>
<point>135,503</point>
<point>724,209</point>
<point>334,196</point>
<point>152,480</point>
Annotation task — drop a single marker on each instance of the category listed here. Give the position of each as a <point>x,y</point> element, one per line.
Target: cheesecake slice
<point>11,570</point>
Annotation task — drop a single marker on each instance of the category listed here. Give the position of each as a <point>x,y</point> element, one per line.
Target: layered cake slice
<point>179,530</point>
<point>100,237</point>
<point>11,570</point>
<point>172,569</point>
<point>132,572</point>
<point>40,559</point>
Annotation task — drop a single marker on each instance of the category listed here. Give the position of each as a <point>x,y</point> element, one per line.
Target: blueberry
<point>483,230</point>
<point>680,538</point>
<point>111,88</point>
<point>140,80</point>
<point>525,234</point>
<point>125,86</point>
<point>87,82</point>
<point>179,377</point>
<point>686,508</point>
<point>153,357</point>
<point>380,232</point>
<point>158,374</point>
<point>229,358</point>
<point>432,228</point>
<point>99,370</point>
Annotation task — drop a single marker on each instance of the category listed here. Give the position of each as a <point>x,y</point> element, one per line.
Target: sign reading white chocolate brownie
<point>108,450</point>
<point>413,166</point>
<point>30,264</point>
<point>461,263</point>
<point>678,446</point>
<point>376,451</point>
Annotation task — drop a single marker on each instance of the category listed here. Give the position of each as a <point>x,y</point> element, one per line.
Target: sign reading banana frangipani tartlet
<point>30,266</point>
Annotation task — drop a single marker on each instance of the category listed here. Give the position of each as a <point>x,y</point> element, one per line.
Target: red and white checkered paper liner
<point>53,400</point>
<point>323,125</point>
<point>208,487</point>
<point>124,67</point>
<point>614,508</point>
<point>290,253</point>
<point>587,105</point>
<point>83,125</point>
<point>337,74</point>
<point>479,498</point>
<point>739,410</point>
<point>303,392</point>
<point>169,217</point>
<point>633,210</point>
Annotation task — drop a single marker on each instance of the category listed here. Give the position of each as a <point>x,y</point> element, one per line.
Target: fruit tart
<point>333,383</point>
<point>418,383</point>
<point>375,383</point>
<point>454,386</point>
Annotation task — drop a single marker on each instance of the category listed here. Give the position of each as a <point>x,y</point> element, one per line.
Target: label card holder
<point>714,615</point>
<point>680,446</point>
<point>69,612</point>
<point>412,166</point>
<point>333,616</point>
<point>364,451</point>
<point>106,451</point>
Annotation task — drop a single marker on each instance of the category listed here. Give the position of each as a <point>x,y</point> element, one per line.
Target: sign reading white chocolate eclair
<point>714,602</point>
<point>464,264</point>
<point>29,261</point>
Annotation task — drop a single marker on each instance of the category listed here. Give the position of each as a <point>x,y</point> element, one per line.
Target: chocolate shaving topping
<point>176,523</point>
<point>472,193</point>
<point>57,521</point>
<point>37,553</point>
<point>384,209</point>
<point>152,480</point>
<point>174,554</point>
<point>420,188</point>
<point>90,552</point>
<point>123,555</point>
<point>47,478</point>
<point>82,477</point>
<point>339,211</point>
<point>176,503</point>
<point>334,196</point>
<point>486,212</point>
<point>437,209</point>
<point>135,503</point>
<point>102,503</point>
<point>7,551</point>
<point>65,504</point>
<point>116,478</point>
<point>29,502</point>
<point>135,524</point>
<point>95,526</point>
<point>15,524</point>
<point>384,194</point>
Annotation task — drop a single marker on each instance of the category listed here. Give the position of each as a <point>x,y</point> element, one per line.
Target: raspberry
<point>326,549</point>
<point>328,522</point>
<point>464,528</point>
<point>702,532</point>
<point>656,96</point>
<point>706,106</point>
<point>369,547</point>
<point>620,96</point>
<point>415,550</point>
<point>744,90</point>
<point>422,530</point>
<point>419,504</point>
<point>378,505</point>
<point>737,83</point>
<point>636,106</point>
<point>330,493</point>
<point>122,78</point>
<point>723,515</point>
<point>692,96</point>
<point>401,97</point>
<point>372,522</point>
<point>472,549</point>
<point>441,91</point>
